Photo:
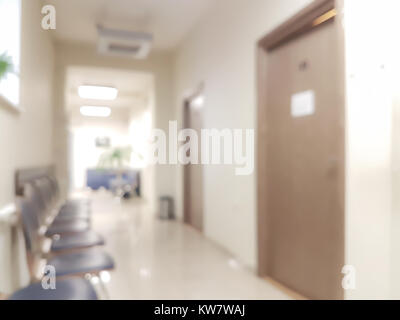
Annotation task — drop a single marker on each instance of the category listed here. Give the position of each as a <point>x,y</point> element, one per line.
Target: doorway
<point>193,173</point>
<point>115,141</point>
<point>301,153</point>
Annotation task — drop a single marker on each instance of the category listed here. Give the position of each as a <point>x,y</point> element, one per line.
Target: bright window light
<point>97,92</point>
<point>10,20</point>
<point>95,111</point>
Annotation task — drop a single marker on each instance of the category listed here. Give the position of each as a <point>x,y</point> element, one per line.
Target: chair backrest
<point>36,193</point>
<point>44,189</point>
<point>29,207</point>
<point>55,186</point>
<point>28,175</point>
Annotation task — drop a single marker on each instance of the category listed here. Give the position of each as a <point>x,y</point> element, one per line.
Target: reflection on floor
<point>168,260</point>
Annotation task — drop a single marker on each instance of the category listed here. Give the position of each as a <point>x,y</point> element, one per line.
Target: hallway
<point>158,259</point>
<point>268,129</point>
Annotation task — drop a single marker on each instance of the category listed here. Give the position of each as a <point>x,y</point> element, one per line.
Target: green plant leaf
<point>6,65</point>
<point>117,158</point>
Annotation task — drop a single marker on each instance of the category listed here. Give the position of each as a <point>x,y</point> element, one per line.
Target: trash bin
<point>166,208</point>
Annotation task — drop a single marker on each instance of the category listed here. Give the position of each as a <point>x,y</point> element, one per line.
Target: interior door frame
<point>316,14</point>
<point>186,168</point>
<point>186,172</point>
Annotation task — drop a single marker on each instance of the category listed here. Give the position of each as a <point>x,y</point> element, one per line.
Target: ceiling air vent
<point>124,43</point>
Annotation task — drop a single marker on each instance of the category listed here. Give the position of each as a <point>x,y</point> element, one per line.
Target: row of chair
<point>58,234</point>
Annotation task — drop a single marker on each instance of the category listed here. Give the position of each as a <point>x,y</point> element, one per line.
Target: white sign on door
<point>303,104</point>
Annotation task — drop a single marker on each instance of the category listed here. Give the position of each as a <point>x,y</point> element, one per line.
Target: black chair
<point>68,203</point>
<point>73,288</point>
<point>31,206</point>
<point>84,262</point>
<point>48,215</point>
<point>59,210</point>
<point>72,251</point>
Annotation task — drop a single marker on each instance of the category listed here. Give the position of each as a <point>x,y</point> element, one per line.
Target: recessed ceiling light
<point>94,111</point>
<point>97,92</point>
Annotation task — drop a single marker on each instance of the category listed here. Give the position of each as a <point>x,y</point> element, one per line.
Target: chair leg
<point>104,289</point>
<point>99,283</point>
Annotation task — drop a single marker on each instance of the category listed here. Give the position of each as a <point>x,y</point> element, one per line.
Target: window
<point>10,43</point>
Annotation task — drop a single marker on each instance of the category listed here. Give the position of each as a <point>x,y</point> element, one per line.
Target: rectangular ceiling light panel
<point>97,92</point>
<point>95,111</point>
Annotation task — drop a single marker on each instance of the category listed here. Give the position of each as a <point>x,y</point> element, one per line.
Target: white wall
<point>139,135</point>
<point>371,224</point>
<point>395,222</point>
<point>26,138</point>
<point>221,52</point>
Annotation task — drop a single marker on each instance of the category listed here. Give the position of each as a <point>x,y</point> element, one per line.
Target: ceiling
<point>134,88</point>
<point>167,20</point>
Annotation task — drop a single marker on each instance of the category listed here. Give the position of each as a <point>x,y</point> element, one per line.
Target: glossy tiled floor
<point>168,260</point>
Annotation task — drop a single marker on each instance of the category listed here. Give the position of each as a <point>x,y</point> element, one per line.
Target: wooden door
<point>193,173</point>
<point>304,164</point>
